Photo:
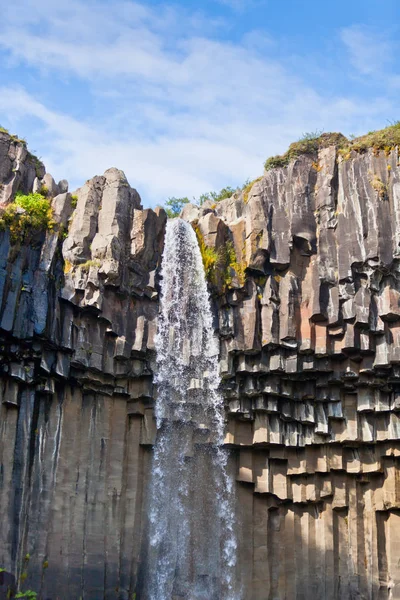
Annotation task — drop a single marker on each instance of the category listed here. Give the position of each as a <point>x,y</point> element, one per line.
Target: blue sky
<point>188,97</point>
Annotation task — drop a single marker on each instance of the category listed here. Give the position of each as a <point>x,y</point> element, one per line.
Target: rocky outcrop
<point>18,168</point>
<point>309,356</point>
<point>310,368</point>
<point>78,319</point>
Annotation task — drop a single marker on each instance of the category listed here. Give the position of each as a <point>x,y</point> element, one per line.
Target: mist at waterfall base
<point>192,546</point>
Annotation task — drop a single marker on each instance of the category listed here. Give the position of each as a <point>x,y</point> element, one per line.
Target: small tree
<point>173,206</point>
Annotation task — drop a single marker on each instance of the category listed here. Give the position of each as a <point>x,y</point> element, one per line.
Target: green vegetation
<point>220,266</point>
<point>226,192</point>
<point>26,215</point>
<point>18,140</point>
<point>74,200</point>
<point>173,206</point>
<point>309,144</point>
<point>233,267</point>
<point>14,138</point>
<point>380,187</point>
<point>246,189</point>
<point>90,263</point>
<point>211,258</point>
<point>37,163</point>
<point>27,595</point>
<point>384,139</point>
<point>67,266</point>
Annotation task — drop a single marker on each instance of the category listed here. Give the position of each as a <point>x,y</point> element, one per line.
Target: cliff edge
<point>304,269</point>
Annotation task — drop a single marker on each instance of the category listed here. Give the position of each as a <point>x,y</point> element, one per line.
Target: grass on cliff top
<point>13,137</point>
<point>27,214</point>
<point>383,139</point>
<point>310,143</point>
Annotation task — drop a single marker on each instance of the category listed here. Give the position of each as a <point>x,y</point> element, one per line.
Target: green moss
<point>74,200</point>
<point>90,263</point>
<point>309,144</point>
<point>26,215</point>
<point>3,129</point>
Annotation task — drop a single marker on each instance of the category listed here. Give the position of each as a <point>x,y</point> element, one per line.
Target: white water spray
<point>192,550</point>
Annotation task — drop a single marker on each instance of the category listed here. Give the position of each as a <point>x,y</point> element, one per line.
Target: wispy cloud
<point>369,51</point>
<point>242,5</point>
<point>179,111</point>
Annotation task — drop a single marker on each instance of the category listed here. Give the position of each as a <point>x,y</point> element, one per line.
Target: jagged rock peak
<point>18,167</point>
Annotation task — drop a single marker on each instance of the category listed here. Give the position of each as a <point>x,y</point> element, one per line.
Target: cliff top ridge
<point>383,139</point>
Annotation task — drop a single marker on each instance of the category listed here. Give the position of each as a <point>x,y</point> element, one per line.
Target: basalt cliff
<point>307,309</point>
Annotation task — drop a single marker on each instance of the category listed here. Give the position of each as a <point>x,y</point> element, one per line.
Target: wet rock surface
<point>309,359</point>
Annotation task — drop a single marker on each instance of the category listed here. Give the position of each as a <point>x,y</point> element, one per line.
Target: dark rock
<point>309,365</point>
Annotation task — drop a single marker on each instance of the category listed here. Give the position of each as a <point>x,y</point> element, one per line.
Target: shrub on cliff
<point>221,266</point>
<point>384,139</point>
<point>27,214</point>
<point>309,144</point>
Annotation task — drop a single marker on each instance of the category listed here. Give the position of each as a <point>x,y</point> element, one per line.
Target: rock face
<point>18,168</point>
<point>310,364</point>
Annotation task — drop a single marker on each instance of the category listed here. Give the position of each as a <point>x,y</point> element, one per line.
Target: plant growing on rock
<point>247,188</point>
<point>384,139</point>
<point>380,187</point>
<point>27,595</point>
<point>90,263</point>
<point>209,256</point>
<point>26,215</point>
<point>221,266</point>
<point>308,144</point>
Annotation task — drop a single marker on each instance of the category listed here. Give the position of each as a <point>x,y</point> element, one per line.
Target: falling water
<point>192,550</point>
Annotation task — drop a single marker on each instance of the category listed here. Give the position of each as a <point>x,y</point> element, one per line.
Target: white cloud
<point>184,113</point>
<point>370,52</point>
<point>241,5</point>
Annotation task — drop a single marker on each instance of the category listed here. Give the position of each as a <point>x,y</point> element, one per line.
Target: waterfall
<point>192,542</point>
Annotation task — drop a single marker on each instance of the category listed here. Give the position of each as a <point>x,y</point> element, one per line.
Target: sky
<point>191,96</point>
